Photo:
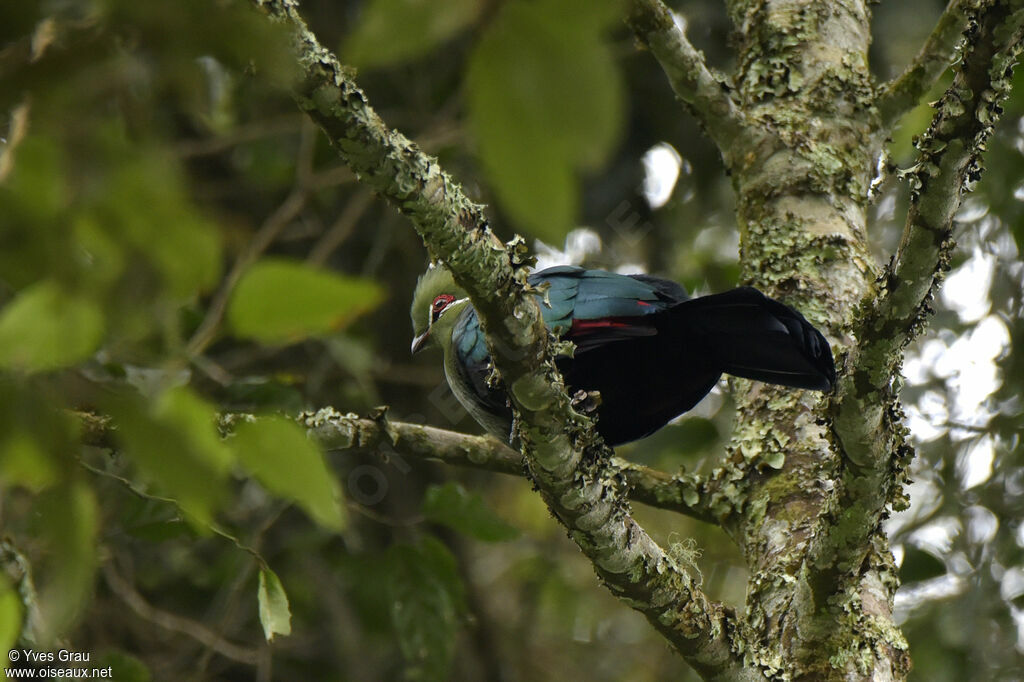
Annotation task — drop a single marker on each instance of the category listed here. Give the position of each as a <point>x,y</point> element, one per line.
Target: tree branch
<point>707,95</point>
<point>904,92</point>
<point>18,571</point>
<point>567,461</point>
<point>686,493</point>
<point>867,421</point>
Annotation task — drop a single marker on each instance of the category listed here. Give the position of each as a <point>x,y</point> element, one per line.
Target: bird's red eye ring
<point>442,302</point>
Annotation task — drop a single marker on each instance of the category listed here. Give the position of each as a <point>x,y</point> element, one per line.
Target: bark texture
<point>802,193</point>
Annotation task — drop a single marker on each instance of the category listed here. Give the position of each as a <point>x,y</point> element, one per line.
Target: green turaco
<point>649,349</point>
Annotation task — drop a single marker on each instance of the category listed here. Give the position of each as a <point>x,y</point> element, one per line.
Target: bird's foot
<point>586,402</point>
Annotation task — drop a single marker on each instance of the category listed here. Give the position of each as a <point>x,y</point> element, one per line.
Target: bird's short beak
<point>419,342</point>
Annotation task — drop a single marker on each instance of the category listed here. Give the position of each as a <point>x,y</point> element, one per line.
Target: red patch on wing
<point>586,326</point>
<point>644,304</point>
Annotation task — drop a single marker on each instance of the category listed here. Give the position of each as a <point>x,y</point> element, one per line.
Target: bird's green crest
<point>435,281</point>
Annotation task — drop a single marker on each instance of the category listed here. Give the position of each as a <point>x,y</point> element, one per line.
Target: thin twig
<point>213,641</point>
<point>16,132</point>
<point>281,125</point>
<point>693,82</point>
<point>264,237</point>
<point>338,232</point>
<point>687,494</point>
<point>175,623</point>
<point>133,487</point>
<point>241,580</point>
<point>904,92</point>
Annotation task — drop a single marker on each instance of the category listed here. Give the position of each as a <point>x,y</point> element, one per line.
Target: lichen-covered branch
<point>566,459</point>
<point>686,494</point>
<point>337,431</point>
<point>904,92</point>
<point>706,95</point>
<point>866,417</point>
<point>16,569</point>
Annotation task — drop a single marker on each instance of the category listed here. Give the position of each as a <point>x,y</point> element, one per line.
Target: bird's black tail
<point>755,337</point>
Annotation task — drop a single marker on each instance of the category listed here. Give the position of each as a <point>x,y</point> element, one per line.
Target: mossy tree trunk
<point>812,131</point>
<point>801,178</point>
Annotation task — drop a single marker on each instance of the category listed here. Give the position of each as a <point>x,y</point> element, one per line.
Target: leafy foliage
<point>148,149</point>
<point>467,513</point>
<point>381,41</point>
<point>426,601</point>
<point>279,455</point>
<point>11,611</point>
<point>545,101</point>
<point>275,616</point>
<point>46,328</point>
<point>68,524</point>
<point>278,301</point>
<point>174,442</point>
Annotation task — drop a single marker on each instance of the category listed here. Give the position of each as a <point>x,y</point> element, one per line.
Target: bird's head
<point>436,305</point>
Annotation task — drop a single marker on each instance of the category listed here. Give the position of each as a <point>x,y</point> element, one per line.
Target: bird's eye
<point>440,303</point>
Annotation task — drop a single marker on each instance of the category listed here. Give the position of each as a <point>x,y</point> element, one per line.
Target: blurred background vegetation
<point>177,242</point>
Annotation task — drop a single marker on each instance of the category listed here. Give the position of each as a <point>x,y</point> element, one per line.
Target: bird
<point>649,349</point>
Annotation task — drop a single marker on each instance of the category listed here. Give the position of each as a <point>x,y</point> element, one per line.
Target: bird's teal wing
<point>594,307</point>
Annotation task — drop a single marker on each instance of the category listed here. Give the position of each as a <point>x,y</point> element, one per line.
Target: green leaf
<point>693,434</point>
<point>36,437</point>
<point>367,583</point>
<point>538,191</point>
<point>1018,234</point>
<point>37,190</point>
<point>138,211</point>
<point>68,523</point>
<point>265,394</point>
<point>188,255</point>
<point>33,200</point>
<point>544,102</point>
<point>393,31</point>
<point>914,122</point>
<point>452,506</point>
<point>160,531</point>
<point>277,452</point>
<point>275,616</point>
<point>11,613</point>
<point>153,520</point>
<point>279,301</point>
<point>919,564</point>
<point>25,462</point>
<point>585,16</point>
<point>426,601</point>
<point>45,328</point>
<point>175,443</point>
<point>103,257</point>
<point>144,204</point>
<point>124,666</point>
